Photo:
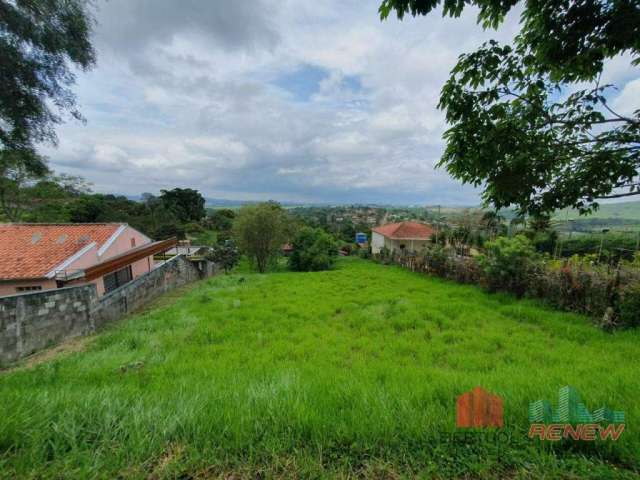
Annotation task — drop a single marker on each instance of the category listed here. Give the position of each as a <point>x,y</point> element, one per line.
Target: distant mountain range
<point>621,210</point>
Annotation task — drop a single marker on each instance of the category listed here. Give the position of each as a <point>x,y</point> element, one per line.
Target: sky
<point>289,100</point>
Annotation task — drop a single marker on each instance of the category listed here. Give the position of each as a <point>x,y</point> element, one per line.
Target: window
<point>28,288</point>
<point>133,242</point>
<point>117,279</point>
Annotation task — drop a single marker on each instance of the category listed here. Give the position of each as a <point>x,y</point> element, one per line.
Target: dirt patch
<point>67,347</point>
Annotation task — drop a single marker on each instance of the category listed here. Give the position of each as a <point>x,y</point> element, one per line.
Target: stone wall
<point>32,321</point>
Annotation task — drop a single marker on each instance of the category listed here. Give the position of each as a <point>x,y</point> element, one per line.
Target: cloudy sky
<point>273,99</point>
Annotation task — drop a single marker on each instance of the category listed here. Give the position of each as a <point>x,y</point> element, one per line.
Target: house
<point>412,236</point>
<point>46,256</point>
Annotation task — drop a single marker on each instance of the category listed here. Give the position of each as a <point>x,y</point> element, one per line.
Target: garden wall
<point>32,321</point>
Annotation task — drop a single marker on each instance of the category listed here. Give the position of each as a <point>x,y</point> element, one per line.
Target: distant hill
<point>622,210</point>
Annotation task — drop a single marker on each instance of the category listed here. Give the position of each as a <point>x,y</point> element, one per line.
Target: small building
<point>409,236</point>
<point>45,256</point>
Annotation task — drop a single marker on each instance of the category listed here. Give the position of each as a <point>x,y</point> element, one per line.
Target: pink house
<point>45,256</point>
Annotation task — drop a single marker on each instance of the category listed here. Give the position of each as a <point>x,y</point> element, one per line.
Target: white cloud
<point>184,95</point>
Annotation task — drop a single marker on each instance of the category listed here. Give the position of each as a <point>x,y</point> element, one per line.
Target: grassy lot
<point>352,372</point>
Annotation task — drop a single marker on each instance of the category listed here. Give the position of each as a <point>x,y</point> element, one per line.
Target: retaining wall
<point>32,321</point>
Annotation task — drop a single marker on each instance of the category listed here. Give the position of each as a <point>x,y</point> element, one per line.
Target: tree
<point>493,222</point>
<point>18,170</point>
<point>40,43</point>
<point>260,231</point>
<point>186,203</point>
<point>313,250</point>
<point>221,219</point>
<point>226,255</point>
<point>521,121</point>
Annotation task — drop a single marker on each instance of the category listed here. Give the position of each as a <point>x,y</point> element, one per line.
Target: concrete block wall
<point>174,273</point>
<point>32,321</point>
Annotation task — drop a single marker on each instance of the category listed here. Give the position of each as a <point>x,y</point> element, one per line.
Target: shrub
<point>169,230</point>
<point>347,248</point>
<point>364,253</point>
<point>313,250</point>
<point>435,258</point>
<point>193,228</point>
<point>629,307</point>
<point>507,264</point>
<point>226,255</point>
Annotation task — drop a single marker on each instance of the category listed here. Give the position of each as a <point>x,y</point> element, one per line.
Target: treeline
<point>49,198</point>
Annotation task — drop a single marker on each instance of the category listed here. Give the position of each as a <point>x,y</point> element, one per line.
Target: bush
<point>347,248</point>
<point>313,250</point>
<point>225,255</point>
<point>508,263</point>
<point>629,307</point>
<point>169,230</point>
<point>193,228</point>
<point>436,259</point>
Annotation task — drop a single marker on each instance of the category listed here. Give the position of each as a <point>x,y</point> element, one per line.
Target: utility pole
<point>604,230</point>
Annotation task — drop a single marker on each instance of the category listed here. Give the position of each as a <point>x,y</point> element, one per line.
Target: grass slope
<point>352,372</point>
<point>620,210</point>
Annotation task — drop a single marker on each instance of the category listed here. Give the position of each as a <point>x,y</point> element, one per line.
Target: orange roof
<point>33,250</point>
<point>405,231</point>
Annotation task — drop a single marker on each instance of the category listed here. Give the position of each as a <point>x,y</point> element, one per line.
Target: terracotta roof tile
<point>405,231</point>
<point>33,250</point>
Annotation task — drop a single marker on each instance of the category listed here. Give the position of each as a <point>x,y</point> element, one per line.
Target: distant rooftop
<point>405,231</point>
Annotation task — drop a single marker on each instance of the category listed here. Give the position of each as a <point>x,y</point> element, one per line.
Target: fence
<point>33,321</point>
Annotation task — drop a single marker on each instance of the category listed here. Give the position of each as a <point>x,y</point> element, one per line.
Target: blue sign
<point>361,238</point>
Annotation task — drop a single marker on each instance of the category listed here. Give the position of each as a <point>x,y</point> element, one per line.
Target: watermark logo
<point>479,409</point>
<point>572,419</point>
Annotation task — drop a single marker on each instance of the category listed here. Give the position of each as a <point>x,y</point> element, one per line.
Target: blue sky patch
<point>303,82</point>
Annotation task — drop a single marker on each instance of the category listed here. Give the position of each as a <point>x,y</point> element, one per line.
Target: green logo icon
<point>571,410</point>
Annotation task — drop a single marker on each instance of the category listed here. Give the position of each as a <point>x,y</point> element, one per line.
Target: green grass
<point>351,372</point>
<point>206,237</point>
<point>624,210</point>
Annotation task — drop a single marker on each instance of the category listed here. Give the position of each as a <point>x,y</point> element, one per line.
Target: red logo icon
<point>478,409</point>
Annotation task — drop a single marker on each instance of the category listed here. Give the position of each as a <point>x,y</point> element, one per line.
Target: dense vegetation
<point>313,250</point>
<point>579,284</point>
<point>351,372</point>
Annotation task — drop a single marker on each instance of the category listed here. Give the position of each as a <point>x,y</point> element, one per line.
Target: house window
<point>133,242</point>
<point>28,288</point>
<point>117,279</point>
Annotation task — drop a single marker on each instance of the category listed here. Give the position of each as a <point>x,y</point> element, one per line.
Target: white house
<point>412,236</point>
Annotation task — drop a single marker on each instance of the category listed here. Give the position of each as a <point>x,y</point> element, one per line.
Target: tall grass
<point>351,372</point>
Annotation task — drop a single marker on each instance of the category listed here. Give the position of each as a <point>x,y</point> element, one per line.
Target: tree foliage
<point>18,171</point>
<point>221,219</point>
<point>40,44</point>
<point>531,121</point>
<point>187,204</point>
<point>507,263</point>
<point>260,231</point>
<point>313,250</point>
<point>226,255</point>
